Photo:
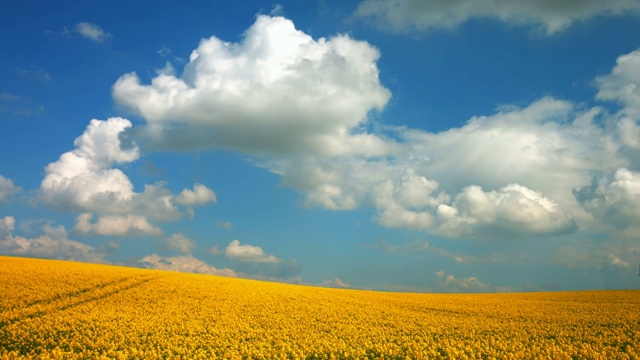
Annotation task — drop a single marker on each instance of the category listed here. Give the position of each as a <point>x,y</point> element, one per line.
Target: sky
<point>421,146</point>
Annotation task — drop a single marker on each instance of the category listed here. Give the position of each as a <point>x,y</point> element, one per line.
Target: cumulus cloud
<point>7,189</point>
<point>114,225</point>
<point>449,283</point>
<point>53,243</point>
<point>510,173</point>
<point>239,95</point>
<point>199,196</point>
<point>92,32</point>
<point>613,199</point>
<point>548,17</point>
<point>514,209</point>
<point>622,84</point>
<point>84,178</point>
<point>185,263</point>
<point>179,242</point>
<point>87,179</point>
<point>248,253</point>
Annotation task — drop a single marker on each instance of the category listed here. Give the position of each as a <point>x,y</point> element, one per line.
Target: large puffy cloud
<point>249,253</point>
<point>278,90</point>
<point>87,179</point>
<point>84,178</point>
<point>185,263</point>
<point>114,225</point>
<point>54,243</point>
<point>548,17</point>
<point>7,189</point>
<point>510,173</point>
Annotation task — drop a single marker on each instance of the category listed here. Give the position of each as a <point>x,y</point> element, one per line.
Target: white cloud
<point>92,32</point>
<point>115,225</point>
<point>239,95</point>
<point>199,196</point>
<point>335,283</point>
<point>622,84</point>
<point>513,210</point>
<point>183,264</point>
<point>7,189</point>
<point>86,179</point>
<point>248,253</point>
<point>614,200</point>
<point>180,242</point>
<point>450,283</point>
<point>510,173</point>
<point>54,244</point>
<point>617,273</point>
<point>548,17</point>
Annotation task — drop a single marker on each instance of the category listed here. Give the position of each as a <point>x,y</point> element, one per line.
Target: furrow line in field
<point>60,305</point>
<point>62,296</point>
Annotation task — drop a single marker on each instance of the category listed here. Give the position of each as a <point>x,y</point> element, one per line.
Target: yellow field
<point>57,309</point>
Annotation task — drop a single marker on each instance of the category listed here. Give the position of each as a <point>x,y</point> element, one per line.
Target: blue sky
<point>428,146</point>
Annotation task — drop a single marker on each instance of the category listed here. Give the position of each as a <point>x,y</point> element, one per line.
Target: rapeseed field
<point>65,310</point>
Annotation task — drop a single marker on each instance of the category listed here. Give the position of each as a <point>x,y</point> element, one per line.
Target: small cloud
<point>199,196</point>
<point>86,30</point>
<point>92,32</point>
<point>335,283</point>
<point>215,250</point>
<point>451,284</point>
<point>165,51</point>
<point>225,225</point>
<point>277,10</point>
<point>248,253</point>
<point>617,273</point>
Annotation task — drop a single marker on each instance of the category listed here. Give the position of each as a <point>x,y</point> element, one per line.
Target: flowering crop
<point>61,310</point>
